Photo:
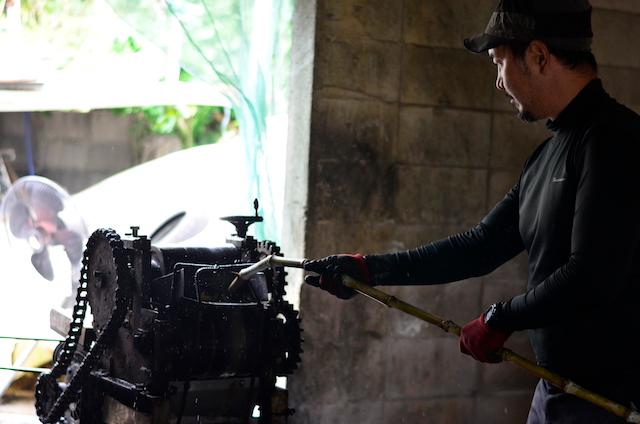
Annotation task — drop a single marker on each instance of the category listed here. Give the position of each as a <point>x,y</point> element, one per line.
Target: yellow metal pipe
<point>566,385</point>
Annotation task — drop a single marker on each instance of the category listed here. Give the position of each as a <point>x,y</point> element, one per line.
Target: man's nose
<point>499,83</point>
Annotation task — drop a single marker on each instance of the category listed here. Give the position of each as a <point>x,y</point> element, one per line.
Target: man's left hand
<point>481,341</point>
<point>331,270</point>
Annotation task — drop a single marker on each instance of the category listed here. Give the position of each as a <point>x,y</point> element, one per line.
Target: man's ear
<point>539,55</point>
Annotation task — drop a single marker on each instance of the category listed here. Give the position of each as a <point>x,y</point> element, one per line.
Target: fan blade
<point>72,243</point>
<point>42,264</point>
<point>44,198</point>
<point>20,223</point>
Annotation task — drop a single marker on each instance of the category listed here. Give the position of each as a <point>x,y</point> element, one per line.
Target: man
<point>575,209</point>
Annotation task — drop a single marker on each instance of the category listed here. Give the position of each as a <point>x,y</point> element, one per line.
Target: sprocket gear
<point>48,390</point>
<point>103,276</point>
<point>113,273</point>
<point>289,341</point>
<point>264,249</point>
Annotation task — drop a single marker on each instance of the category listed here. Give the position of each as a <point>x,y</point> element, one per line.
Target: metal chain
<point>122,297</point>
<point>77,317</point>
<point>46,382</point>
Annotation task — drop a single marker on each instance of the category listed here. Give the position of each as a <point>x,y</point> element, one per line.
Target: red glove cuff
<point>480,341</point>
<point>362,267</point>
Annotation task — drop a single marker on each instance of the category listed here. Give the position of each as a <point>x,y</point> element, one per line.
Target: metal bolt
<point>134,231</point>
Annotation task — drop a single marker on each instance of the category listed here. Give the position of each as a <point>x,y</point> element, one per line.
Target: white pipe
<point>267,262</point>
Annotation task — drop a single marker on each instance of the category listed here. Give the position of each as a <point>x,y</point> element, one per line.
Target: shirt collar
<point>583,105</point>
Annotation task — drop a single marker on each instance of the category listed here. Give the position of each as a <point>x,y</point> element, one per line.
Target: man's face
<point>515,80</point>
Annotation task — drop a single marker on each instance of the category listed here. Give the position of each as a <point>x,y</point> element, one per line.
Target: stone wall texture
<point>409,142</point>
<point>76,150</point>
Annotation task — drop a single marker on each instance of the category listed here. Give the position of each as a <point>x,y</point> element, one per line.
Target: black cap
<point>563,24</point>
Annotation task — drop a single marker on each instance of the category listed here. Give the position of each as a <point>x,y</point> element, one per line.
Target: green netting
<point>242,46</point>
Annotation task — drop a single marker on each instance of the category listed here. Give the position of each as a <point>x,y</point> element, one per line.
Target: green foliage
<point>62,25</point>
<point>161,119</point>
<point>208,123</point>
<point>127,45</point>
<point>52,13</point>
<point>194,125</point>
<point>65,25</point>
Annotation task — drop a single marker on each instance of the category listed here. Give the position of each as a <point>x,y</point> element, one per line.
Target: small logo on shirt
<point>558,179</point>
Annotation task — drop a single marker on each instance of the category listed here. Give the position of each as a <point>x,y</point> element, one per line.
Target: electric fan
<point>39,212</point>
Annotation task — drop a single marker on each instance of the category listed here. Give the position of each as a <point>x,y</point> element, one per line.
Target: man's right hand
<point>331,269</point>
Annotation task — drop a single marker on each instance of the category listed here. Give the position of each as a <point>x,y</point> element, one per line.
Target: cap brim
<point>483,42</point>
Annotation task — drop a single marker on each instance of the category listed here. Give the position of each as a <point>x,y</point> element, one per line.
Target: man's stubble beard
<point>526,116</point>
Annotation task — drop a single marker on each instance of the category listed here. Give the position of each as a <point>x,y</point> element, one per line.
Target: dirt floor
<point>17,404</point>
<point>18,408</point>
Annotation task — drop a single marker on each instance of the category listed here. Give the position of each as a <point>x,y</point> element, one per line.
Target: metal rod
<point>566,385</point>
<point>37,339</point>
<point>28,142</point>
<point>26,369</point>
<point>292,263</point>
<point>267,262</point>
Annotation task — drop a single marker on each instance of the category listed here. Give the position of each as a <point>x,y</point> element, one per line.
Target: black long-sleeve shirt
<point>576,211</point>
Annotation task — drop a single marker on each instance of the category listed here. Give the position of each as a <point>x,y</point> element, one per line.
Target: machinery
<point>170,342</point>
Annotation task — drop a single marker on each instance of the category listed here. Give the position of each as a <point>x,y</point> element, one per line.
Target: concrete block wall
<point>407,142</point>
<point>74,149</point>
